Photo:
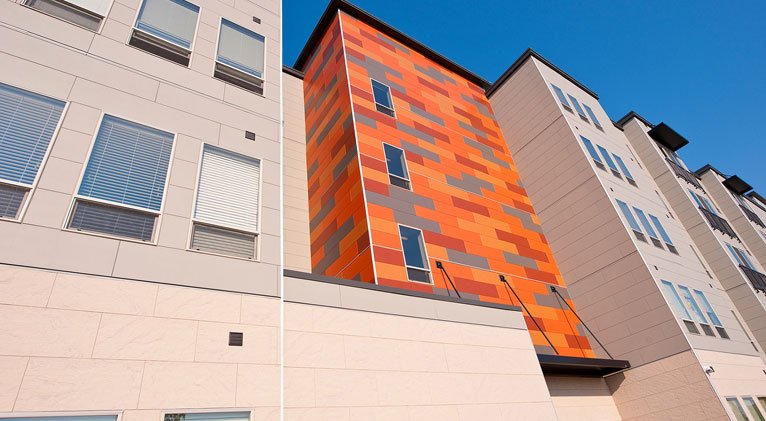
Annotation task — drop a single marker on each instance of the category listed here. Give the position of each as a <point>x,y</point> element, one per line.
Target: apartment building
<point>631,267</point>
<point>140,209</point>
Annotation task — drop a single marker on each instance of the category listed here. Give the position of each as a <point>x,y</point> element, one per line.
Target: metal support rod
<point>583,323</point>
<point>444,272</point>
<point>509,287</point>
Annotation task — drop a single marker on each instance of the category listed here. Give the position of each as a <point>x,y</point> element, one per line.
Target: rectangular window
<point>592,116</point>
<point>740,256</point>
<point>696,311</point>
<point>415,257</point>
<point>122,189</point>
<point>208,416</point>
<point>736,408</point>
<point>562,98</point>
<point>612,166</point>
<point>663,233</point>
<point>631,220</point>
<point>63,418</point>
<point>647,226</point>
<point>383,100</point>
<point>85,13</point>
<point>241,57</point>
<point>592,151</point>
<point>579,109</point>
<point>675,300</point>
<point>397,167</point>
<point>28,122</point>
<point>624,168</point>
<point>226,217</point>
<point>708,308</point>
<point>753,409</point>
<point>166,28</point>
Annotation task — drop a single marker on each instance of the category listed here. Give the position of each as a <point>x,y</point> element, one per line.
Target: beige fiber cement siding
<point>582,398</point>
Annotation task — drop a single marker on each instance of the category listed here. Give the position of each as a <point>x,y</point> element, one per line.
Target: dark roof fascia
<point>523,58</point>
<point>630,115</point>
<point>358,284</point>
<point>756,196</point>
<point>737,185</point>
<point>665,135</point>
<point>356,12</point>
<point>578,366</point>
<point>292,72</point>
<point>708,167</point>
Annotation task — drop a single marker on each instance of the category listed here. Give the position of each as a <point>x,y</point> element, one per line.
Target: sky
<point>697,66</point>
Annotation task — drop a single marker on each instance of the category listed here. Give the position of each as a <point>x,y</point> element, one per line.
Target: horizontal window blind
<point>67,418</point>
<point>241,48</point>
<point>99,7</point>
<point>172,20</point>
<point>128,164</point>
<point>27,123</point>
<point>11,198</point>
<point>229,190</point>
<point>209,416</point>
<point>112,220</point>
<point>223,241</point>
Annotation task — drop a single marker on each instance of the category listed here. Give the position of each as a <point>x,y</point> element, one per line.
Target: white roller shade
<point>99,7</point>
<point>172,20</point>
<point>241,48</point>
<point>229,190</point>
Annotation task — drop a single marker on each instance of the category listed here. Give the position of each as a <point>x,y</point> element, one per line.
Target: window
<point>208,416</point>
<point>740,256</point>
<point>678,306</point>
<point>663,234</point>
<point>382,95</point>
<point>631,220</point>
<point>647,226</point>
<point>562,98</point>
<point>226,213</point>
<point>415,257</point>
<point>736,408</point>
<point>27,124</point>
<point>753,409</point>
<point>85,13</point>
<point>711,314</point>
<point>578,108</point>
<point>397,167</point>
<point>63,418</point>
<point>592,151</point>
<point>608,159</point>
<point>696,311</point>
<point>122,189</point>
<point>592,116</point>
<point>624,169</point>
<point>166,28</point>
<point>241,56</point>
<point>704,203</point>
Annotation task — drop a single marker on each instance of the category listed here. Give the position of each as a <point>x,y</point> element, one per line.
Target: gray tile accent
<point>379,71</point>
<point>312,168</point>
<point>411,197</point>
<point>470,183</point>
<point>407,146</point>
<point>474,130</point>
<point>425,114</point>
<point>415,221</point>
<point>486,152</point>
<point>324,93</point>
<point>317,219</point>
<point>526,219</point>
<point>344,163</point>
<point>415,132</point>
<point>394,44</point>
<point>467,259</point>
<point>483,109</point>
<point>364,120</point>
<point>389,202</point>
<point>332,252</point>
<point>328,126</point>
<point>545,349</point>
<point>435,74</point>
<point>515,259</point>
<point>550,300</point>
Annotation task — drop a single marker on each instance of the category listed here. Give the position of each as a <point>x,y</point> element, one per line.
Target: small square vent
<point>236,338</point>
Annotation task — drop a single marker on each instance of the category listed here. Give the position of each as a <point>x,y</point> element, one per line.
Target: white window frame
<point>578,107</point>
<point>681,302</point>
<point>565,103</point>
<point>203,411</point>
<point>390,95</point>
<point>100,26</point>
<point>35,415</point>
<point>33,188</point>
<point>425,251</point>
<point>592,115</point>
<point>406,167</point>
<point>265,56</point>
<point>257,233</point>
<point>193,41</point>
<point>77,196</point>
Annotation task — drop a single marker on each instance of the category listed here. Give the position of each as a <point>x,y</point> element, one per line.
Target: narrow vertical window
<point>736,408</point>
<point>122,190</point>
<point>85,13</point>
<point>631,220</point>
<point>696,311</point>
<point>579,109</point>
<point>562,98</point>
<point>383,100</point>
<point>678,306</point>
<point>608,159</point>
<point>166,28</point>
<point>415,257</point>
<point>663,233</point>
<point>647,226</point>
<point>226,219</point>
<point>624,169</point>
<point>27,124</point>
<point>592,151</point>
<point>592,116</point>
<point>711,314</point>
<point>740,256</point>
<point>753,409</point>
<point>397,167</point>
<point>240,57</point>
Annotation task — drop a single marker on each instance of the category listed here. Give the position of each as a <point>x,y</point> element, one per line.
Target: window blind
<point>27,123</point>
<point>241,48</point>
<point>209,416</point>
<point>67,418</point>
<point>112,220</point>
<point>172,20</point>
<point>11,198</point>
<point>223,241</point>
<point>99,7</point>
<point>128,164</point>
<point>229,190</point>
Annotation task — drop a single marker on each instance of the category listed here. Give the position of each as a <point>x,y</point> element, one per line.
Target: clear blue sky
<point>698,66</point>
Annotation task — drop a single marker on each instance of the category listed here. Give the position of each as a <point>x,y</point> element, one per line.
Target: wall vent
<point>236,338</point>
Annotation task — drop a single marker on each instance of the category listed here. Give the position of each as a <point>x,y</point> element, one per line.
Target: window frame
<point>578,107</point>
<point>623,168</point>
<point>662,232</point>
<point>590,147</point>
<point>592,116</point>
<point>204,411</point>
<point>390,98</point>
<point>193,220</point>
<point>134,27</point>
<point>406,168</point>
<point>608,160</point>
<point>427,269</point>
<point>628,214</point>
<point>77,196</point>
<point>90,12</point>
<point>562,97</point>
<point>695,308</point>
<point>674,290</point>
<point>262,78</point>
<point>707,308</point>
<point>36,415</point>
<point>43,162</point>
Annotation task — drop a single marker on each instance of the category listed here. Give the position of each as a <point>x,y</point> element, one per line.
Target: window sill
<point>210,253</point>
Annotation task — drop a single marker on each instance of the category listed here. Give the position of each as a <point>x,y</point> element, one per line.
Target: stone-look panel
<point>673,388</point>
<point>340,239</point>
<point>88,343</point>
<point>296,232</point>
<point>581,398</point>
<point>98,73</point>
<point>345,360</point>
<point>735,375</point>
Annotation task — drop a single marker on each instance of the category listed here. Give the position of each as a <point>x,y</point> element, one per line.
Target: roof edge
<point>356,12</point>
<point>707,167</point>
<point>630,115</point>
<point>292,72</point>
<point>523,58</point>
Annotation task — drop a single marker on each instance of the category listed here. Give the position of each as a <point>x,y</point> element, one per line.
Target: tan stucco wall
<point>359,354</point>
<point>582,398</point>
<point>71,342</point>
